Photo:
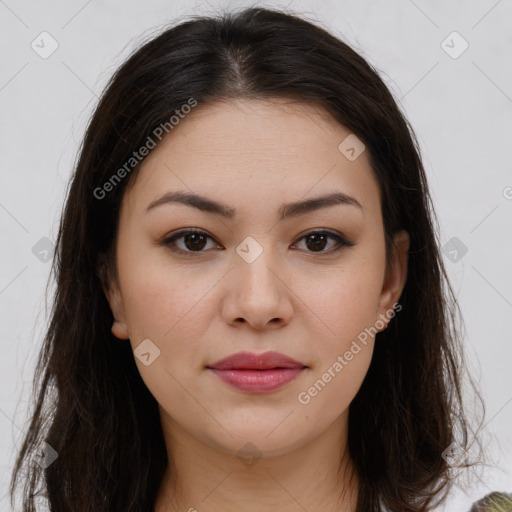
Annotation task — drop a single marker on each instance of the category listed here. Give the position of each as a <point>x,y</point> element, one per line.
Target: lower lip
<point>258,381</point>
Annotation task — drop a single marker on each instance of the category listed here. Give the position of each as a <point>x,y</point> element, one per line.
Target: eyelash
<point>170,241</point>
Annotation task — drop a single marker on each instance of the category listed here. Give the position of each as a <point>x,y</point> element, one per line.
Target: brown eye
<point>316,241</point>
<point>193,241</point>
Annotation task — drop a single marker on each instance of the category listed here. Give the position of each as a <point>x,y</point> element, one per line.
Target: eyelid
<point>168,241</point>
<point>341,240</point>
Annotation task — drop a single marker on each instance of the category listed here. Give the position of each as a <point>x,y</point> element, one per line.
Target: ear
<point>395,278</point>
<point>112,293</point>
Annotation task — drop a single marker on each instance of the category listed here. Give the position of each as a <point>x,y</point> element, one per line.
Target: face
<point>308,283</point>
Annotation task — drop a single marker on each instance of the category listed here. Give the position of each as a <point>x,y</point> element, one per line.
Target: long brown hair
<point>92,407</point>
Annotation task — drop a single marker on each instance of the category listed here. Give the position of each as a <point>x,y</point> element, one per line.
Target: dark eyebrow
<point>287,210</point>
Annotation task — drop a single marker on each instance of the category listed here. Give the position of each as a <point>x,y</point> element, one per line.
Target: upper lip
<point>252,361</point>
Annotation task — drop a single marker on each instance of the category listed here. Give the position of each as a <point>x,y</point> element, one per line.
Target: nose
<point>258,293</point>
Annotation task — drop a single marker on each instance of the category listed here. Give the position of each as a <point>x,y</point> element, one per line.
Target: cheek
<point>343,301</point>
<point>157,295</point>
<point>344,305</point>
<point>343,349</point>
<point>170,312</point>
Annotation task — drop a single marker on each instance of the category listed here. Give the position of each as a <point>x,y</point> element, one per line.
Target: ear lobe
<point>119,327</point>
<point>396,276</point>
<point>113,295</point>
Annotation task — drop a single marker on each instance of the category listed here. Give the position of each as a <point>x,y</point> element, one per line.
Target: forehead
<point>247,126</point>
<point>277,148</point>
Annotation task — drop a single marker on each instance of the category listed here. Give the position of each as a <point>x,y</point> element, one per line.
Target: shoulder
<point>493,502</point>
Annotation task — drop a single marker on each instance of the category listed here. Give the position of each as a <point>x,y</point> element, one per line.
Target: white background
<point>460,109</point>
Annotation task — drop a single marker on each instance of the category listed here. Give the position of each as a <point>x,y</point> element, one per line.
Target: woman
<point>251,307</point>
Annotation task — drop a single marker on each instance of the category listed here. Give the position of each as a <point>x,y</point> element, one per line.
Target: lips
<point>251,361</point>
<point>257,373</point>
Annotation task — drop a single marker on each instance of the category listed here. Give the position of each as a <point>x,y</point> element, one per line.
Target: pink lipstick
<point>257,373</point>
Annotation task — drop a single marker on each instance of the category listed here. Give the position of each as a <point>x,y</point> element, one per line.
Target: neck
<point>314,476</point>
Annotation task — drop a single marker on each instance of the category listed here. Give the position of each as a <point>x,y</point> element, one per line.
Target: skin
<point>308,302</point>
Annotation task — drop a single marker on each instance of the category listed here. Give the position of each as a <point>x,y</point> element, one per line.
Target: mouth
<point>258,381</point>
<point>257,373</point>
<point>252,361</point>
